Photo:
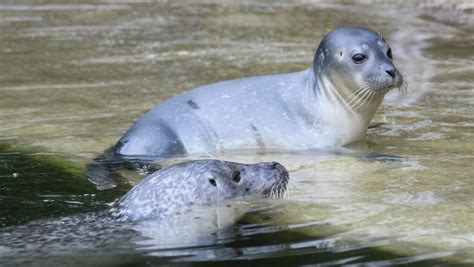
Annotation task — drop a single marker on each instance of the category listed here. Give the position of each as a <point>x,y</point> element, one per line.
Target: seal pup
<point>329,104</point>
<point>199,182</point>
<point>172,207</point>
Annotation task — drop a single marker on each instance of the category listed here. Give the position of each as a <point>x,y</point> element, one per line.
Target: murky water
<point>75,75</point>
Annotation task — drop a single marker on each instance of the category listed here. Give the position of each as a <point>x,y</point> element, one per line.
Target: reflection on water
<point>75,76</point>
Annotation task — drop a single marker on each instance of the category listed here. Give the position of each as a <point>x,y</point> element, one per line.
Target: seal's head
<point>358,63</point>
<point>200,182</point>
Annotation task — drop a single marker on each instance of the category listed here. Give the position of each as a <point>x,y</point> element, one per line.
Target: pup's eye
<point>389,53</point>
<point>212,182</point>
<point>236,177</point>
<point>358,58</point>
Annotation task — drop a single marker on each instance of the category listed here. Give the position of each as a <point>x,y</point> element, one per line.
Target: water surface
<point>76,74</point>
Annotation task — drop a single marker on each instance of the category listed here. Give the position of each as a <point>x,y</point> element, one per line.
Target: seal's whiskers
<point>403,90</point>
<point>357,99</point>
<point>362,100</point>
<point>372,94</point>
<point>354,97</point>
<point>278,190</point>
<point>285,193</point>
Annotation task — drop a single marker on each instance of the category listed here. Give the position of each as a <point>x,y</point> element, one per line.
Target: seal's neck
<point>333,108</point>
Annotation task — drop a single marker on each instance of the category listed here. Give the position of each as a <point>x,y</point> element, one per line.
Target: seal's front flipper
<point>102,175</point>
<point>103,171</point>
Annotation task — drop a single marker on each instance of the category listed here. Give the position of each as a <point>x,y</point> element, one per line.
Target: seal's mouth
<point>366,93</point>
<point>397,83</point>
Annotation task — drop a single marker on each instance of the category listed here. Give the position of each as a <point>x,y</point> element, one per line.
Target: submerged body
<point>185,204</point>
<point>329,104</point>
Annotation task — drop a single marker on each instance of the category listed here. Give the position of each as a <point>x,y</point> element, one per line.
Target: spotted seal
<point>187,204</point>
<point>198,183</point>
<point>329,104</point>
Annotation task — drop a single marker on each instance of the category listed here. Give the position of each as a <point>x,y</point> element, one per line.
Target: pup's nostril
<point>236,177</point>
<point>391,73</point>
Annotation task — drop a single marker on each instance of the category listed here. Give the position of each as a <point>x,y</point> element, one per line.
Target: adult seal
<point>329,104</point>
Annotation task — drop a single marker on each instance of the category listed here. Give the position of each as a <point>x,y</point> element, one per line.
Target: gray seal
<point>199,182</point>
<point>329,104</point>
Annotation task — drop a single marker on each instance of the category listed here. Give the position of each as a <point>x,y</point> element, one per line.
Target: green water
<point>74,75</point>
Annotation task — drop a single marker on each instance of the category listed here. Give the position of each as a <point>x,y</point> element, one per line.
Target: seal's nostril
<point>391,73</point>
<point>236,177</point>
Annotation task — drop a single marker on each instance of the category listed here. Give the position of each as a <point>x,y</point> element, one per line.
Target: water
<point>75,75</point>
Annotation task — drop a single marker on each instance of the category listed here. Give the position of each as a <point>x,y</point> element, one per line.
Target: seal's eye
<point>236,177</point>
<point>212,182</point>
<point>358,58</point>
<point>389,53</point>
